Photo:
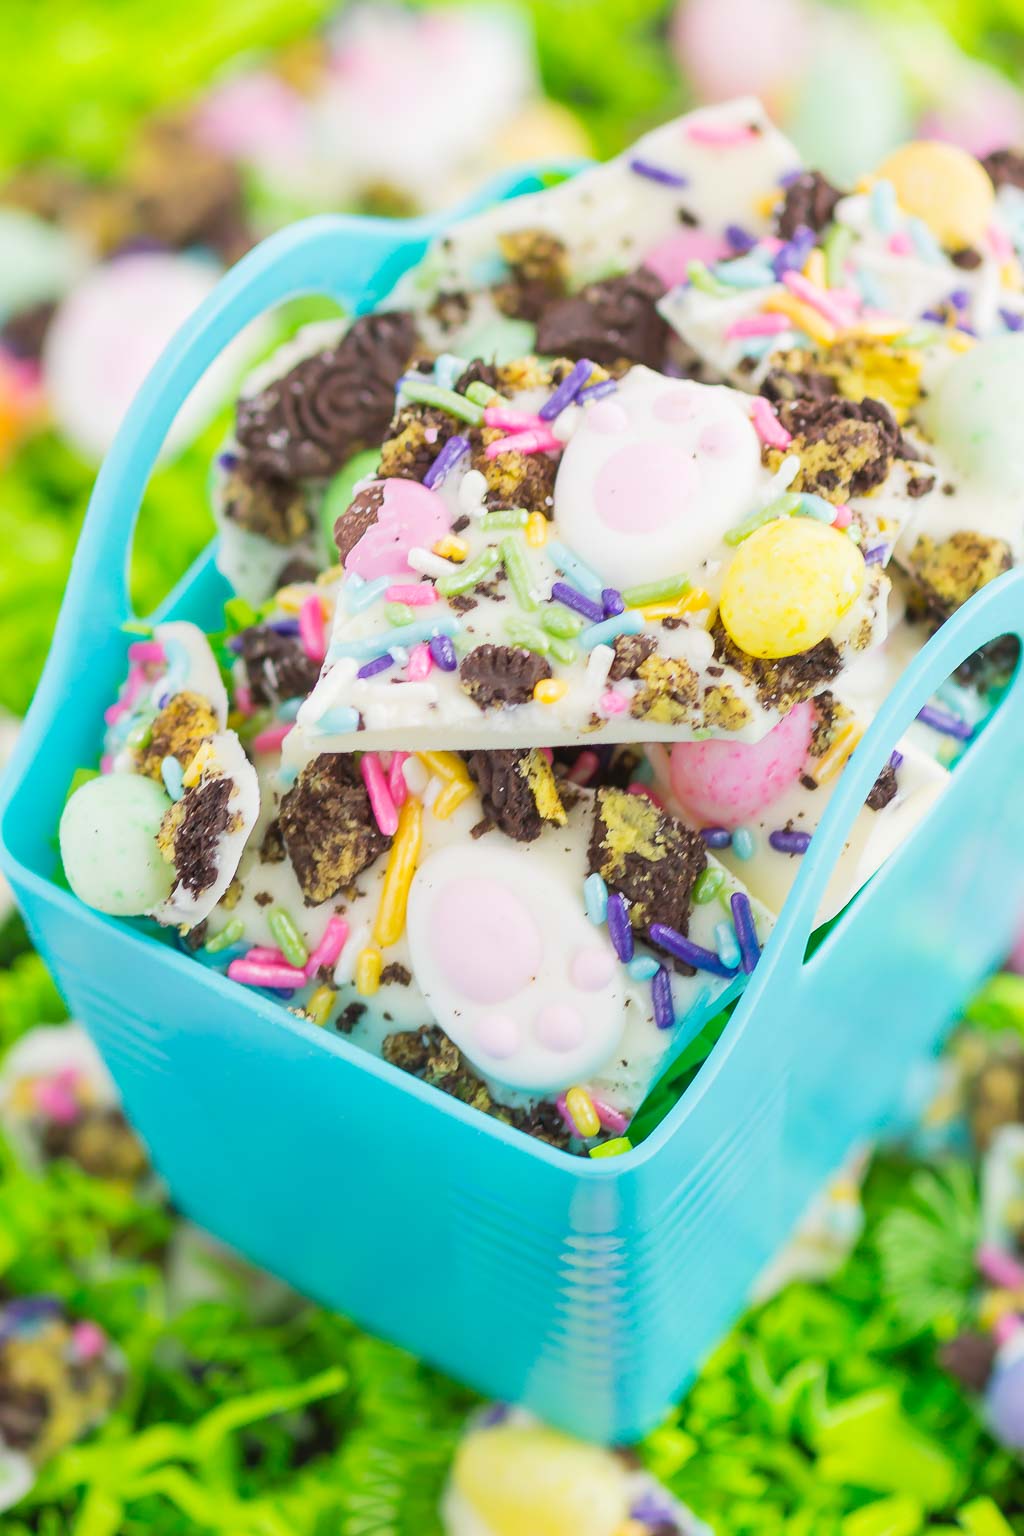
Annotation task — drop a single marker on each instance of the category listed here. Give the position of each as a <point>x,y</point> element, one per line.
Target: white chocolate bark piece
<point>652,498</point>
<point>497,948</point>
<point>177,660</point>
<point>203,835</point>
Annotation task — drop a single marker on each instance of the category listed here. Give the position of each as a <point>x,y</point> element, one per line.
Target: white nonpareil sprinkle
<point>472,490</point>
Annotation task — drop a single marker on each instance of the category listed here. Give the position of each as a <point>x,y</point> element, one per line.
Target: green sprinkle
<point>563,650</point>
<point>656,591</point>
<point>702,280</point>
<point>289,939</point>
<point>253,724</point>
<point>784,506</point>
<point>707,886</point>
<point>519,573</point>
<point>520,632</point>
<point>398,614</point>
<point>225,938</point>
<point>482,394</point>
<point>137,627</point>
<point>613,1148</point>
<point>141,734</point>
<point>817,507</point>
<point>78,778</point>
<point>855,533</point>
<point>425,393</point>
<point>239,615</point>
<point>836,246</point>
<point>514,517</point>
<point>469,574</point>
<point>560,621</point>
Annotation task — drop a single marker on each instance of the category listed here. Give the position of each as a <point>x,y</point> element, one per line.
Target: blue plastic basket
<point>588,1290</point>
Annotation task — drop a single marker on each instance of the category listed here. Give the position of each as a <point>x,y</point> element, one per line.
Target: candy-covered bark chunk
<point>676,579</point>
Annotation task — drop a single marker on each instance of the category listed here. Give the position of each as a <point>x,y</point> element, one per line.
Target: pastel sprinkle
<point>536,530</point>
<point>423,392</point>
<point>746,931</point>
<point>613,601</point>
<point>685,949</point>
<point>418,595</point>
<point>567,390</point>
<point>517,568</point>
<point>320,1004</point>
<point>270,740</point>
<point>563,559</point>
<point>358,595</point>
<point>381,803</point>
<point>311,628</point>
<point>420,663</point>
<point>767,425</point>
<point>642,967</point>
<point>566,625</point>
<point>595,899</point>
<point>944,722</point>
<point>341,721</point>
<point>619,930</point>
<point>550,689</point>
<point>454,449</point>
<point>369,645</point>
<point>596,391</point>
<point>289,939</point>
<point>662,591</point>
<point>657,173</point>
<point>265,954</point>
<point>443,652</point>
<point>661,998</point>
<point>612,703</point>
<point>743,843</point>
<point>522,633</point>
<point>744,272</point>
<point>815,506</point>
<point>283,978</point>
<point>611,1119</point>
<point>389,923</point>
<point>397,786</point>
<point>228,935</point>
<point>469,574</point>
<point>533,440</point>
<point>332,942</point>
<point>378,664</point>
<point>173,776</point>
<point>726,945</point>
<point>585,767</point>
<point>581,1111</point>
<point>707,886</point>
<point>716,837</point>
<point>701,279</point>
<point>561,592</point>
<point>783,506</point>
<point>612,1148</point>
<point>398,614</point>
<point>721,137</point>
<point>630,623</point>
<point>756,325</point>
<point>786,841</point>
<point>511,517</point>
<point>368,968</point>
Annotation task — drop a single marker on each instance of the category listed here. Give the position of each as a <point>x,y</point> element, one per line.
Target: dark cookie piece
<point>182,192</point>
<point>795,377</point>
<point>414,439</point>
<point>276,665</point>
<point>395,973</point>
<point>100,1141</point>
<point>967,259</point>
<point>630,652</point>
<point>328,826</point>
<point>360,516</point>
<point>497,676</point>
<point>970,1358</point>
<point>669,690</point>
<point>518,791</point>
<point>515,479</point>
<point>331,404</point>
<point>191,830</point>
<point>608,321</point>
<point>274,509</point>
<point>23,333</point>
<point>178,731</point>
<point>784,682</point>
<point>920,485</point>
<point>649,858</point>
<point>1005,168</point>
<point>809,203</point>
<point>945,574</point>
<point>995,1093</point>
<point>272,849</point>
<point>478,372</point>
<point>539,268</point>
<point>296,571</point>
<point>846,447</point>
<point>24,1413</point>
<point>883,789</point>
<point>349,1017</point>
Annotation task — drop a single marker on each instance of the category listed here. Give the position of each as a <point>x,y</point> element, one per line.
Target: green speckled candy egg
<point>108,844</point>
<point>975,413</point>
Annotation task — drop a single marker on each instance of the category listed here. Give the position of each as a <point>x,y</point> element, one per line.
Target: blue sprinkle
<point>760,346</point>
<point>924,242</point>
<point>571,565</point>
<point>817,507</point>
<point>412,634</point>
<point>726,945</point>
<point>289,708</point>
<point>1010,320</point>
<point>871,291</point>
<point>619,930</point>
<point>359,594</point>
<point>744,272</point>
<point>378,664</point>
<point>338,721</point>
<point>596,391</point>
<point>743,843</point>
<point>716,837</point>
<point>595,899</point>
<point>739,238</point>
<point>629,623</point>
<point>661,996</point>
<point>883,205</point>
<point>170,772</point>
<point>448,369</point>
<point>287,776</point>
<point>642,967</point>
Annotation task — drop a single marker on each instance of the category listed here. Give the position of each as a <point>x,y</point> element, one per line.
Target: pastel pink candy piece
<point>726,783</point>
<point>670,258</point>
<point>410,517</point>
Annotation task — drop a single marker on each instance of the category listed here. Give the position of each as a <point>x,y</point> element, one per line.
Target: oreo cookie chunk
<point>266,505</point>
<point>518,790</point>
<point>610,322</point>
<point>783,682</point>
<point>651,859</point>
<point>328,826</point>
<point>413,440</point>
<point>539,266</point>
<point>945,573</point>
<point>846,447</point>
<point>499,676</point>
<point>276,665</point>
<point>809,203</point>
<point>179,730</point>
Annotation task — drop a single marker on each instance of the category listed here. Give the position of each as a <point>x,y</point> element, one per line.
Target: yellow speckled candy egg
<point>788,585</point>
<point>944,186</point>
<point>527,1480</point>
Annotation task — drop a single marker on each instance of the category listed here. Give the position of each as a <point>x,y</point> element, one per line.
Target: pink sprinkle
<point>510,420</point>
<point>999,1266</point>
<point>113,712</point>
<point>419,596</point>
<point>636,788</point>
<point>767,425</point>
<point>243,700</point>
<point>584,768</point>
<point>143,651</point>
<point>330,946</point>
<point>757,325</point>
<point>397,787</point>
<point>547,753</point>
<point>900,243</point>
<point>1006,1328</point>
<point>381,803</point>
<point>271,739</point>
<point>724,137</point>
<point>311,627</point>
<point>89,1339</point>
<point>420,663</point>
<point>260,954</point>
<point>54,1099</point>
<point>612,703</point>
<point>999,241</point>
<point>525,442</point>
<point>563,1110</point>
<point>251,974</point>
<point>106,764</point>
<point>843,517</point>
<point>817,298</point>
<point>611,1118</point>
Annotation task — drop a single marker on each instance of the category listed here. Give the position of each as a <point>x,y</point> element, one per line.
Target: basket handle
<point>996,610</point>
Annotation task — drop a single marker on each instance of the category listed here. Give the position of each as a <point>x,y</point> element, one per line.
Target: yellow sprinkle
<point>631,1528</point>
<point>536,529</point>
<point>330,576</point>
<point>194,772</point>
<point>808,319</point>
<point>447,766</point>
<point>290,599</point>
<point>996,1305</point>
<point>1010,275</point>
<point>766,205</point>
<point>879,328</point>
<point>837,755</point>
<point>368,967</point>
<point>581,1108</point>
<point>694,601</point>
<point>814,268</point>
<point>389,924</point>
<point>550,689</point>
<point>322,1001</point>
<point>957,341</point>
<point>451,548</point>
<point>451,797</point>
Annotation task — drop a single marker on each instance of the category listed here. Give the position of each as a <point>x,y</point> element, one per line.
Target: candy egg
<point>527,1480</point>
<point>975,410</point>
<point>108,844</point>
<point>943,185</point>
<point>788,585</point>
<point>725,783</point>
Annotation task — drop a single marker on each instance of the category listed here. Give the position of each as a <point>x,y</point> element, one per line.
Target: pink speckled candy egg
<point>726,783</point>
